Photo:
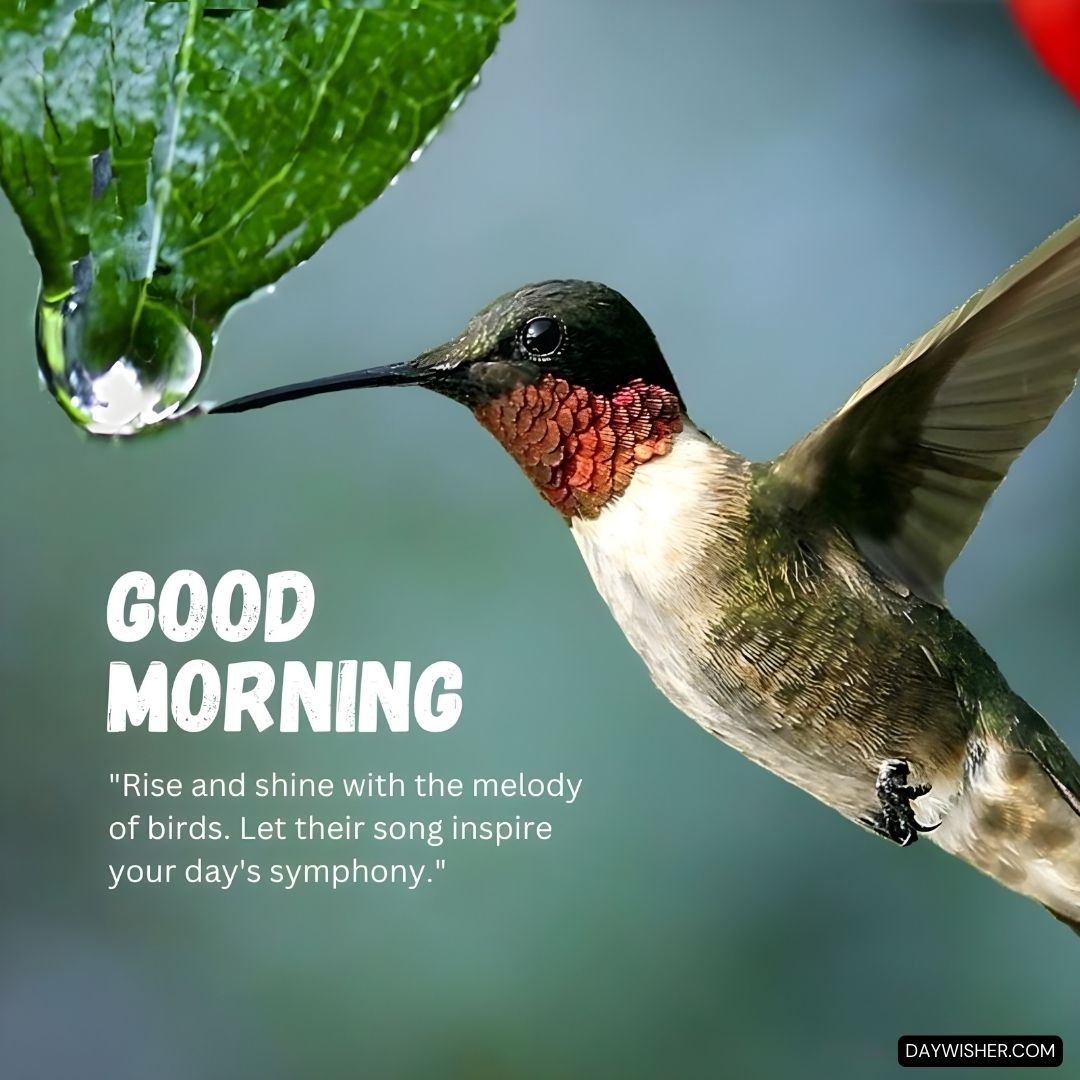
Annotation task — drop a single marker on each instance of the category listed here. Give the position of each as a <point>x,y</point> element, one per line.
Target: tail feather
<point>1072,924</point>
<point>1017,815</point>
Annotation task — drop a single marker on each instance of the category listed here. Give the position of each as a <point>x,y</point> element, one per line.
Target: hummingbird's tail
<point>1072,924</point>
<point>1017,814</point>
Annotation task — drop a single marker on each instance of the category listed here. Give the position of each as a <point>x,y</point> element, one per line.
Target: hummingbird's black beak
<point>411,374</point>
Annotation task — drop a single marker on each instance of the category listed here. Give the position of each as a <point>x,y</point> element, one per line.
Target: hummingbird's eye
<point>542,336</point>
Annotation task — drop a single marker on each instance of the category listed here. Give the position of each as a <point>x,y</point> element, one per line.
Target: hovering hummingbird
<point>795,608</point>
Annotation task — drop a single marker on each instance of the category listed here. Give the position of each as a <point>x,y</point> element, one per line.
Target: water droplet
<point>415,156</point>
<point>101,173</point>
<point>461,95</point>
<point>285,242</point>
<point>118,390</point>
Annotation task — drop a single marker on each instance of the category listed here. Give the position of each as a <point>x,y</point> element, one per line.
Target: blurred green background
<point>789,192</point>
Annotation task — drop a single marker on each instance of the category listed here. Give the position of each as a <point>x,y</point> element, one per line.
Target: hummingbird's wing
<point>908,463</point>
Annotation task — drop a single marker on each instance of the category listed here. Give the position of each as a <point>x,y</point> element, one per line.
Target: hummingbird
<point>795,608</point>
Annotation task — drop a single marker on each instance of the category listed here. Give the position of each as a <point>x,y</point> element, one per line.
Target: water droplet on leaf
<point>461,95</point>
<point>118,380</point>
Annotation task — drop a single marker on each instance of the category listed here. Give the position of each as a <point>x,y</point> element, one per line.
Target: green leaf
<point>168,159</point>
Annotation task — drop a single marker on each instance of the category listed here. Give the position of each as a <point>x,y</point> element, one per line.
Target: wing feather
<point>909,461</point>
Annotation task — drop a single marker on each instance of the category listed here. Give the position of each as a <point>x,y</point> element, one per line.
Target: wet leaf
<point>168,159</point>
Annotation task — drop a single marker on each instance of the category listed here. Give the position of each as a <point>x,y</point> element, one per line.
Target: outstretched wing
<point>909,462</point>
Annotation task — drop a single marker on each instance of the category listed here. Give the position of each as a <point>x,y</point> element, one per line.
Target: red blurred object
<point>1053,29</point>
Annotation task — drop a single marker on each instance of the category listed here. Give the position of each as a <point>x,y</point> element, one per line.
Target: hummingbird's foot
<point>896,821</point>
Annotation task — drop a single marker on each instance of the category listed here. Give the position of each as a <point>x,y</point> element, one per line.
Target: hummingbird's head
<point>566,375</point>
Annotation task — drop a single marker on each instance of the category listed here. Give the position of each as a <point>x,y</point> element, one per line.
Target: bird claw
<point>896,820</point>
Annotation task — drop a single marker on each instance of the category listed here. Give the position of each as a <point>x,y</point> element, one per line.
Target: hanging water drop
<point>118,380</point>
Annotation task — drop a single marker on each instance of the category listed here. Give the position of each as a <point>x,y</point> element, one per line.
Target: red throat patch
<point>580,449</point>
